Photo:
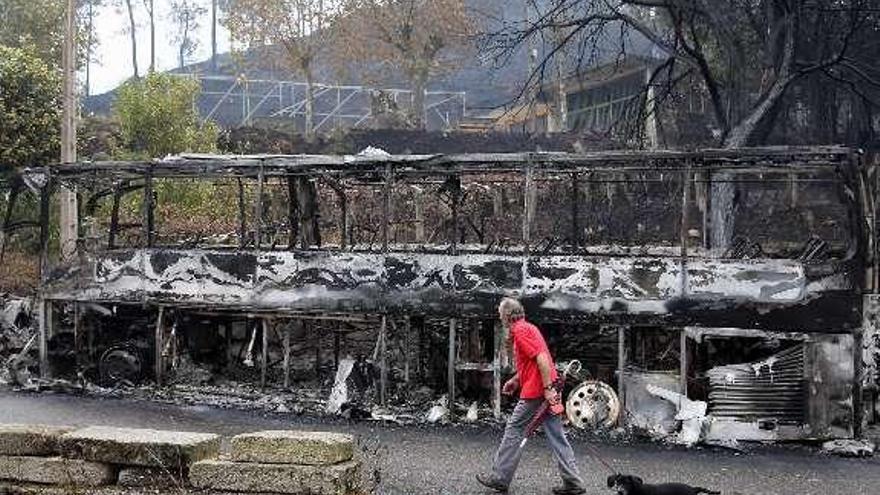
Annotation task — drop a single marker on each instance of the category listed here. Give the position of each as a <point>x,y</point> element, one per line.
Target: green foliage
<point>30,110</point>
<point>157,116</point>
<point>34,24</point>
<point>39,25</point>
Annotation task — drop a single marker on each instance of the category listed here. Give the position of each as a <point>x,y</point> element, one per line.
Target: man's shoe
<point>490,482</point>
<point>568,490</point>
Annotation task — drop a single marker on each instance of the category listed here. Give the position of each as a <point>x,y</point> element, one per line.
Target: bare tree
<point>214,34</point>
<point>294,28</point>
<point>132,32</point>
<point>217,8</point>
<point>421,39</point>
<point>186,14</point>
<point>86,12</point>
<point>746,56</point>
<point>151,13</point>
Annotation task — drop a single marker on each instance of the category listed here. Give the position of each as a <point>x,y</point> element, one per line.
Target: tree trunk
<point>752,130</point>
<point>213,35</point>
<point>292,212</point>
<point>152,38</point>
<point>183,42</point>
<point>89,41</point>
<point>307,204</point>
<point>133,32</point>
<point>419,85</point>
<point>309,130</point>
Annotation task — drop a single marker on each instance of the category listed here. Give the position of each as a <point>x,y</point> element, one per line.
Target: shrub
<point>157,116</point>
<point>30,110</point>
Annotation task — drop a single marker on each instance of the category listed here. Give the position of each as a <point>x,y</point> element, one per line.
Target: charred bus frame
<point>688,284</point>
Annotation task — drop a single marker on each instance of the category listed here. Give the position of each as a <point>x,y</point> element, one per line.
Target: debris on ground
<point>339,394</point>
<point>849,448</point>
<point>439,410</point>
<point>472,413</point>
<point>189,372</point>
<point>691,413</point>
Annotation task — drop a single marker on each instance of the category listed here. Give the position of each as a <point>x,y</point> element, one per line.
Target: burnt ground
<point>443,460</point>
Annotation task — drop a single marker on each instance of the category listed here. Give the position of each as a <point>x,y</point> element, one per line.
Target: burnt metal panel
<point>760,294</point>
<point>774,389</point>
<point>319,281</point>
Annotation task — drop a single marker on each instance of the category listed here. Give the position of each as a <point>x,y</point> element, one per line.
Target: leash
<point>595,455</point>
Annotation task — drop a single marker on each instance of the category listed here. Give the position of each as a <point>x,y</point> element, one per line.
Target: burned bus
<point>741,278</point>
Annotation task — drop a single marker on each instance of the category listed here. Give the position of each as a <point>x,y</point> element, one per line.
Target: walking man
<point>535,374</point>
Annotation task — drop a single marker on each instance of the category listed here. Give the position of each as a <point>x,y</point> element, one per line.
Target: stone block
<point>136,447</point>
<point>30,440</point>
<point>292,447</point>
<point>56,471</point>
<point>144,477</point>
<point>338,479</point>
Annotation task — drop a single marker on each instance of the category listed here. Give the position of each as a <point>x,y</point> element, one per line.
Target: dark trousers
<point>508,455</point>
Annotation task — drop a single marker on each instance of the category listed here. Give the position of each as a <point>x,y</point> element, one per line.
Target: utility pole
<point>69,211</point>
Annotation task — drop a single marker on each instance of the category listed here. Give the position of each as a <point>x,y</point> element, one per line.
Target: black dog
<point>633,485</point>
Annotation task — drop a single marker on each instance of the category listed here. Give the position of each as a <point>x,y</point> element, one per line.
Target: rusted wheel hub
<point>592,404</point>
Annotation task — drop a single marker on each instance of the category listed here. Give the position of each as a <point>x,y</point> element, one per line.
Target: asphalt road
<point>443,460</point>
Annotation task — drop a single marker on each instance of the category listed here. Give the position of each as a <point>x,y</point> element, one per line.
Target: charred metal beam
<point>7,219</point>
<point>230,356</point>
<point>292,213</point>
<point>46,322</point>
<point>450,368</point>
<point>92,203</point>
<point>45,200</point>
<point>775,158</point>
<point>286,364</point>
<point>386,206</point>
<point>383,361</point>
<point>258,212</point>
<point>575,210</point>
<point>114,214</point>
<point>159,347</point>
<point>858,382</point>
<point>683,362</point>
<point>621,364</point>
<point>242,216</point>
<point>528,208</point>
<point>264,354</point>
<point>149,222</point>
<point>455,203</point>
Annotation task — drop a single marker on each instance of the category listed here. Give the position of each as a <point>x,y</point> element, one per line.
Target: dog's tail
<point>706,491</point>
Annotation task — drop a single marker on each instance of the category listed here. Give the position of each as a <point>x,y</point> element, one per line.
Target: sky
<point>113,54</point>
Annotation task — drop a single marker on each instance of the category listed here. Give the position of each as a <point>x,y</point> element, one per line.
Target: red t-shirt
<point>527,344</point>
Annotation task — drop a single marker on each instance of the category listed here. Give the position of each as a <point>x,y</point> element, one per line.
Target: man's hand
<point>551,396</point>
<point>510,386</point>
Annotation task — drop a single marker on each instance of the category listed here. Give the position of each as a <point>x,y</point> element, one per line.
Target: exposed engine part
<point>772,391</point>
<point>121,363</point>
<point>593,404</point>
